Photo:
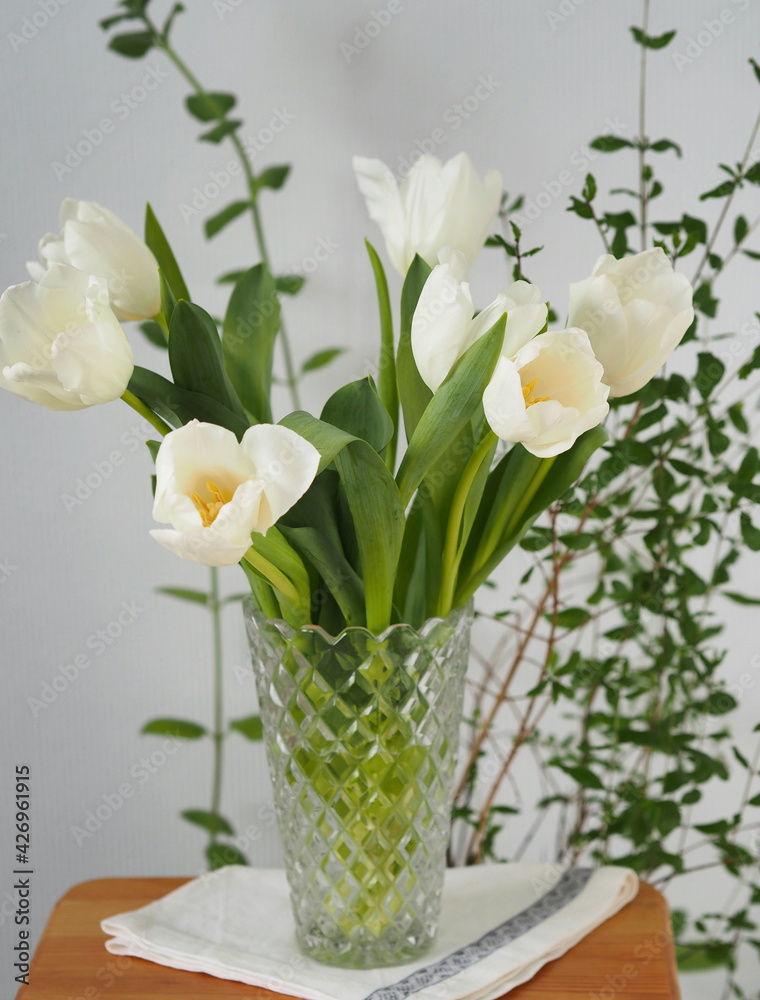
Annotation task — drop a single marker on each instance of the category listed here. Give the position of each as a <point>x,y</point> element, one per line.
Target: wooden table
<point>630,956</point>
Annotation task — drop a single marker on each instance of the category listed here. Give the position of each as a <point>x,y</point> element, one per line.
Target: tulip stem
<point>272,574</point>
<point>218,734</point>
<point>291,379</point>
<point>452,552</point>
<point>138,405</point>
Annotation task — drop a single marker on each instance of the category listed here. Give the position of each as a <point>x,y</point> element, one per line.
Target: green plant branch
<point>137,404</point>
<point>643,193</point>
<point>162,43</point>
<point>218,734</point>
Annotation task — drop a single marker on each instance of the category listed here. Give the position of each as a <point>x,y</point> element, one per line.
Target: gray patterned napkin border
<point>569,886</point>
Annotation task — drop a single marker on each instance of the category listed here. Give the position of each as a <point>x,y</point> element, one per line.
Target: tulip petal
<point>285,463</point>
<point>200,547</point>
<point>378,185</point>
<point>442,327</point>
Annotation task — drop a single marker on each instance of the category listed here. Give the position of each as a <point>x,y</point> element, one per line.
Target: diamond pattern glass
<point>361,734</point>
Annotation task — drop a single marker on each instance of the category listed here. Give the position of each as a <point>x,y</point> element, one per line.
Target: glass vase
<point>362,734</point>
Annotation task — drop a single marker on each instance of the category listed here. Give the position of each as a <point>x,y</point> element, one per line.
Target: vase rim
<point>288,631</point>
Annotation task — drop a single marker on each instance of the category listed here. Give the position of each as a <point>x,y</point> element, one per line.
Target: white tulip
<point>436,205</point>
<point>97,242</point>
<point>635,311</point>
<point>443,325</point>
<point>548,394</point>
<point>60,343</point>
<point>215,491</point>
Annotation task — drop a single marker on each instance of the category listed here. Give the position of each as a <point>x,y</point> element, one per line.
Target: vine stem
<point>258,228</point>
<point>727,203</point>
<point>217,736</point>
<point>642,128</point>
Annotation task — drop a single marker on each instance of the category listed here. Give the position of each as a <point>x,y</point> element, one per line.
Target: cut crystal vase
<point>361,734</point>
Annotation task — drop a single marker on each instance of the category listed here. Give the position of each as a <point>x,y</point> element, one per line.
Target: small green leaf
<point>217,222</point>
<point>210,107</point>
<point>133,45</point>
<point>220,855</point>
<point>251,727</point>
<point>273,177</point>
<point>212,822</point>
<point>652,41</point>
<point>221,131</point>
<point>710,370</point>
<point>183,594</point>
<point>178,728</point>
<point>582,775</point>
<point>750,534</point>
<point>289,284</point>
<point>610,143</point>
<point>700,957</point>
<point>321,358</point>
<point>661,145</point>
<point>721,191</point>
<point>571,618</point>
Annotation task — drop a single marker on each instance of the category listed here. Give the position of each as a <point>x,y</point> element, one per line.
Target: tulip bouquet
<point>330,526</point>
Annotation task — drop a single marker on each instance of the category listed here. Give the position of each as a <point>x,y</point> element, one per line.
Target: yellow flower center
<point>527,390</point>
<point>208,509</point>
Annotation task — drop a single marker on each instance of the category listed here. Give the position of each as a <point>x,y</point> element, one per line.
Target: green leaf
<point>183,594</point>
<point>272,177</point>
<point>178,728</point>
<point>571,618</point>
<point>710,370</point>
<point>661,145</point>
<point>221,131</point>
<point>217,222</point>
<point>195,357</point>
<point>375,506</point>
<point>750,534</point>
<point>700,957</point>
<point>652,41</point>
<point>582,775</point>
<point>454,403</point>
<point>313,527</point>
<point>321,358</point>
<point>211,106</point>
<point>740,598</point>
<point>387,386</point>
<point>720,191</point>
<point>288,284</point>
<point>133,45</point>
<point>212,822</point>
<point>248,338</point>
<point>413,393</point>
<point>156,240</point>
<point>219,855</point>
<point>610,143</point>
<point>356,408</point>
<point>177,406</point>
<point>741,228</point>
<point>251,727</point>
<point>519,489</point>
<point>153,333</point>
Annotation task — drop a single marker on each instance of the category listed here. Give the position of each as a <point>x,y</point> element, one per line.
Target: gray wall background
<point>559,72</point>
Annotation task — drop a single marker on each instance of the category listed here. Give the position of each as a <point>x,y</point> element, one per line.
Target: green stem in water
<point>138,405</point>
<point>274,575</point>
<point>452,552</point>
<point>291,378</point>
<point>218,734</point>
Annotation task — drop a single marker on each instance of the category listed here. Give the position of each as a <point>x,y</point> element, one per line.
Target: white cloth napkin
<point>499,925</point>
